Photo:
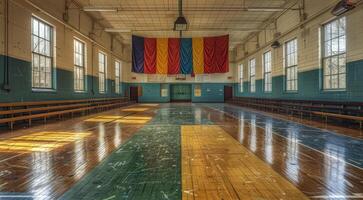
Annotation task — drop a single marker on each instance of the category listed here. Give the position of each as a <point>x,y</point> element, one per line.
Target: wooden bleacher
<point>348,111</point>
<point>28,111</point>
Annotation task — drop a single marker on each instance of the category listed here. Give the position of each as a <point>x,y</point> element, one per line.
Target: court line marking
<point>339,159</point>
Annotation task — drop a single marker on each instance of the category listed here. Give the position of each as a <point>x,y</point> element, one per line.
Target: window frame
<point>104,91</point>
<point>118,76</point>
<point>84,45</point>
<point>51,56</point>
<point>290,67</point>
<point>252,86</point>
<point>267,73</point>
<point>240,78</point>
<point>333,56</point>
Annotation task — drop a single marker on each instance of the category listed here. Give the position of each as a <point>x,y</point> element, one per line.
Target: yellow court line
<point>216,166</point>
<point>135,109</point>
<point>148,104</point>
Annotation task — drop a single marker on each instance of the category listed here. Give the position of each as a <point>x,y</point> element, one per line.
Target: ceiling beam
<point>199,9</point>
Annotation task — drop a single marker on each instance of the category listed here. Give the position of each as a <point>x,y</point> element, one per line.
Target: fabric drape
<point>198,55</point>
<point>221,54</point>
<point>173,55</point>
<point>210,60</point>
<point>162,55</point>
<point>180,56</point>
<point>150,56</point>
<point>186,62</point>
<point>137,54</point>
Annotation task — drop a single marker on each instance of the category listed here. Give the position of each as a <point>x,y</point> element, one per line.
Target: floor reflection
<point>292,151</point>
<point>268,142</point>
<point>241,128</point>
<point>118,135</point>
<point>42,174</point>
<point>322,163</point>
<point>80,164</point>
<point>253,138</point>
<point>101,148</point>
<point>335,172</point>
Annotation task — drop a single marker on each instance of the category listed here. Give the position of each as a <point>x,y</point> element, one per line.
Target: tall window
<point>102,72</point>
<point>334,54</point>
<point>117,76</point>
<point>42,54</point>
<point>79,65</point>
<point>267,71</point>
<point>241,77</point>
<point>291,65</point>
<point>253,75</point>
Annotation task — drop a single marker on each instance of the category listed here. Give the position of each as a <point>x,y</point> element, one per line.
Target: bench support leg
<point>11,125</point>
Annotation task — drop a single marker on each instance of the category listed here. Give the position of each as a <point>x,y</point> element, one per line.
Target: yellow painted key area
<point>216,166</point>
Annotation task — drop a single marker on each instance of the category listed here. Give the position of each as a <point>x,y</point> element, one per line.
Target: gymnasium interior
<point>181,99</point>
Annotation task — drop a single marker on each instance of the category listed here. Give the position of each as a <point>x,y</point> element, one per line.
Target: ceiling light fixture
<point>99,9</point>
<point>342,7</point>
<point>180,23</point>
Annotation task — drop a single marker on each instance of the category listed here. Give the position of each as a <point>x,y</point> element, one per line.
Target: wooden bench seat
<point>339,116</point>
<point>23,111</point>
<point>351,111</point>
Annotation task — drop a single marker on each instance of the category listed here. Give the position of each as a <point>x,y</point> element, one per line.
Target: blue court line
<point>341,147</point>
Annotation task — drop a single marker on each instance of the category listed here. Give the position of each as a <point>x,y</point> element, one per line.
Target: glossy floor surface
<point>181,151</point>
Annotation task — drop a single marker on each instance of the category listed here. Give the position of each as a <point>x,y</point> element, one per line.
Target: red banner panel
<point>209,55</point>
<point>221,54</point>
<point>149,55</point>
<point>173,55</point>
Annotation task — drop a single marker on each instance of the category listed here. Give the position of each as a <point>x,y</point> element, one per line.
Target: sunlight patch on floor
<point>41,141</point>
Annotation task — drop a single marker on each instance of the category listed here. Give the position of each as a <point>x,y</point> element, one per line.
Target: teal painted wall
<point>21,89</point>
<point>151,92</point>
<point>310,86</point>
<point>211,92</point>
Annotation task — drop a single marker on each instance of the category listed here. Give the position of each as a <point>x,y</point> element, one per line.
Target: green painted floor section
<point>148,166</point>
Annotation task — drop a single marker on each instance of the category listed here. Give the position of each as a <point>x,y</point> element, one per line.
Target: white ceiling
<point>155,18</point>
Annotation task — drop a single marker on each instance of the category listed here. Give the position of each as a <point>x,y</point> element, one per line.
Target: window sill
<point>80,92</point>
<point>332,91</point>
<point>291,92</point>
<point>43,90</point>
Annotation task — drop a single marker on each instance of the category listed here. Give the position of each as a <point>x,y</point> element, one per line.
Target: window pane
<point>342,81</point>
<point>35,43</point>
<point>342,44</point>
<point>41,30</point>
<point>342,64</point>
<point>35,26</point>
<point>335,30</point>
<point>327,48</point>
<point>334,65</point>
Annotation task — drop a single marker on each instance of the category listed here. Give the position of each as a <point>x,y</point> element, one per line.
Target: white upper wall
<point>308,33</point>
<point>79,25</point>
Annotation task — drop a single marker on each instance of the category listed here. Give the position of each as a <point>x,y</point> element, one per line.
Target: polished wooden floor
<point>216,166</point>
<point>225,152</point>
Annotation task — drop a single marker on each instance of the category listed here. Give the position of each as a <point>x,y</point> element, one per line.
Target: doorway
<point>134,94</point>
<point>228,93</point>
<point>181,93</point>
